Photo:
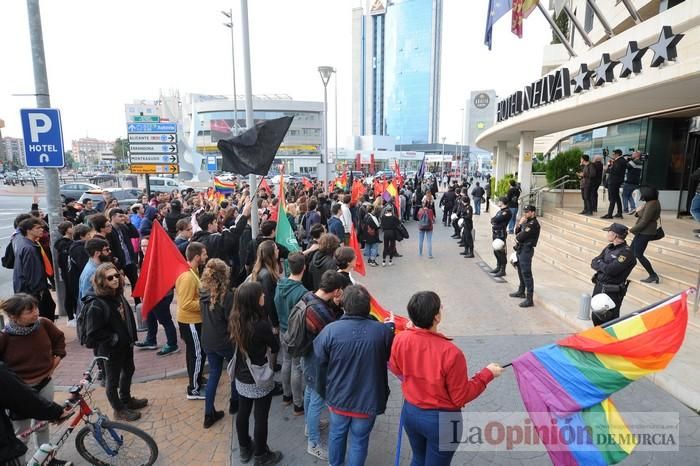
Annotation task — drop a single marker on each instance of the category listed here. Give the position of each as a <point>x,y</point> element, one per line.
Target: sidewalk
<point>559,292</point>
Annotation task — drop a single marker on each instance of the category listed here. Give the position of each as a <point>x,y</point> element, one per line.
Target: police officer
<point>499,225</point>
<point>527,232</point>
<point>466,214</point>
<point>613,265</point>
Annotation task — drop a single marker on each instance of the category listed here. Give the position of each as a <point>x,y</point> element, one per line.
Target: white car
<point>166,185</point>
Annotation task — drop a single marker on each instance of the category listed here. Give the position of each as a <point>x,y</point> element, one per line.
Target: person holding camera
<point>632,178</point>
<point>615,176</point>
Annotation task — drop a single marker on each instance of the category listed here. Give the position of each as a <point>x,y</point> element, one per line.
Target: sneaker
<point>383,264</point>
<point>71,323</point>
<point>269,458</point>
<point>195,395</point>
<point>146,345</point>
<point>247,453</point>
<point>136,403</point>
<point>127,415</point>
<point>167,349</point>
<point>298,410</point>
<point>318,451</point>
<point>391,262</point>
<point>211,419</point>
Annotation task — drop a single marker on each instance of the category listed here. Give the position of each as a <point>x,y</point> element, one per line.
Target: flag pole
<point>249,120</point>
<point>557,31</point>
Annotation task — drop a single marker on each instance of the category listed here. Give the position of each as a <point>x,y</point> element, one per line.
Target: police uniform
<point>467,226</point>
<point>499,225</point>
<point>526,237</point>
<point>613,265</point>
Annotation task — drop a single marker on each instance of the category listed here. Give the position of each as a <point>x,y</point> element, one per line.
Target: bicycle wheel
<point>133,447</point>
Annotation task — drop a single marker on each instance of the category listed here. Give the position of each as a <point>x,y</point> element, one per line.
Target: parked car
<point>388,175</point>
<point>75,190</point>
<point>166,185</point>
<point>126,197</point>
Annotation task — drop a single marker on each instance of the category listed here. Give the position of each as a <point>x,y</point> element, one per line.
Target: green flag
<point>285,235</point>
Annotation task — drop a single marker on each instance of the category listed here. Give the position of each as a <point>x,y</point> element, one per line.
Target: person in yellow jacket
<point>189,319</point>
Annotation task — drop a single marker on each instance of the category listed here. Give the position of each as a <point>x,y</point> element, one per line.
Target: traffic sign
<point>211,163</point>
<point>152,169</point>
<point>146,118</point>
<point>153,148</point>
<point>152,137</point>
<point>153,158</point>
<point>151,127</point>
<point>43,138</point>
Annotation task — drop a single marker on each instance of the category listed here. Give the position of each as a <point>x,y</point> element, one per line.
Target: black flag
<point>254,150</point>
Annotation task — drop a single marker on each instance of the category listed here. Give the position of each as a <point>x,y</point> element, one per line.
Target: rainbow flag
<point>381,314</point>
<point>223,186</point>
<point>568,384</point>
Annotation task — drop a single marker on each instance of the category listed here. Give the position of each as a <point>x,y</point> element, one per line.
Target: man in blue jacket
<point>335,223</point>
<point>356,347</point>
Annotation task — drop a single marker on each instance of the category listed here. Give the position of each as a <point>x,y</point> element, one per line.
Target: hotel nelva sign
<point>559,85</point>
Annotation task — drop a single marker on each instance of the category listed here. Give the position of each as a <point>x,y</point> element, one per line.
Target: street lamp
<point>229,24</point>
<point>325,72</point>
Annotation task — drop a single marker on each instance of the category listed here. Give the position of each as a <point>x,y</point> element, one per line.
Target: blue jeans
<point>359,430</point>
<point>695,207</point>
<point>371,250</point>
<point>429,235</point>
<point>422,427</point>
<point>627,199</point>
<point>513,219</point>
<point>477,205</point>
<point>313,406</point>
<point>161,313</point>
<point>216,364</point>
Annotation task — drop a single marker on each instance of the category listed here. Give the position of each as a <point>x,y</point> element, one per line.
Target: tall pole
<point>249,121</point>
<point>229,25</point>
<point>325,139</point>
<point>335,111</point>
<point>41,86</point>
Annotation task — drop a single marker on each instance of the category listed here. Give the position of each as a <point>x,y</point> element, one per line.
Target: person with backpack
<point>370,225</point>
<point>288,292</point>
<point>100,253</point>
<point>251,333</point>
<point>309,316</point>
<point>110,329</point>
<point>32,266</point>
<point>62,247</point>
<point>390,226</point>
<point>77,258</point>
<point>33,347</point>
<point>426,219</point>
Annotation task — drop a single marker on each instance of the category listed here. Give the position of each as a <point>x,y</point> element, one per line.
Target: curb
<point>148,378</point>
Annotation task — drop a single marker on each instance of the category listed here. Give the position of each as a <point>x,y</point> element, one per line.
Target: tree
<point>563,22</point>
<point>121,150</point>
<point>565,163</point>
<point>70,161</point>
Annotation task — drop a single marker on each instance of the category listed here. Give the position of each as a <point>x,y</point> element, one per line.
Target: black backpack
<point>8,260</point>
<point>297,337</point>
<point>90,305</point>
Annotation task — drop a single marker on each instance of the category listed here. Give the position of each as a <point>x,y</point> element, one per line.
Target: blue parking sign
<point>43,137</point>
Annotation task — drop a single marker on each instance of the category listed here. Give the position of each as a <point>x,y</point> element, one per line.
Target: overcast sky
<point>103,54</point>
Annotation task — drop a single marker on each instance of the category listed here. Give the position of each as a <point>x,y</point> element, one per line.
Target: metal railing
<point>535,195</point>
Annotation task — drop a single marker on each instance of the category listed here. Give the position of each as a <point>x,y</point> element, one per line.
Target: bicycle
<point>101,441</point>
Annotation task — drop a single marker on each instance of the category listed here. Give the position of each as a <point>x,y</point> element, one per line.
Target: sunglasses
<point>111,277</point>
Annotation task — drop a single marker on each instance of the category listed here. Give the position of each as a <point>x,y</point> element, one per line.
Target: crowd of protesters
<point>281,322</point>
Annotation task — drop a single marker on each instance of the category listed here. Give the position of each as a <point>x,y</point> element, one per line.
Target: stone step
<point>688,246</point>
<point>676,278</point>
<point>684,256</point>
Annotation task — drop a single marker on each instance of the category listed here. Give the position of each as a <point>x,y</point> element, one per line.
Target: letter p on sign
<point>43,138</point>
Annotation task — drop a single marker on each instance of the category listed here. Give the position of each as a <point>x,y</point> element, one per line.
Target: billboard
<point>481,114</point>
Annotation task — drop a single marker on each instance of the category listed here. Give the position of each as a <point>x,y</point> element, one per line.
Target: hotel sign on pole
<point>559,85</point>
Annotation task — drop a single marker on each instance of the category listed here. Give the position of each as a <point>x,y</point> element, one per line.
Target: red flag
<point>378,190</point>
<point>162,266</point>
<point>344,180</point>
<point>307,184</point>
<point>381,314</point>
<point>359,262</point>
<point>265,186</point>
<point>521,10</point>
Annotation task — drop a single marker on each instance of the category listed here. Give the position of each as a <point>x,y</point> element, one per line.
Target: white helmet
<point>460,222</point>
<point>602,303</point>
<point>453,217</point>
<point>498,244</point>
<point>514,258</point>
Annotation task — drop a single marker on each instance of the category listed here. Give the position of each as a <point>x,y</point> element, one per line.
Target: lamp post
<point>229,24</point>
<point>325,72</point>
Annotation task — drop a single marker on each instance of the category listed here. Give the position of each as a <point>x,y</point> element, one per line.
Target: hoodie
<point>287,294</point>
<point>149,217</point>
<point>319,264</point>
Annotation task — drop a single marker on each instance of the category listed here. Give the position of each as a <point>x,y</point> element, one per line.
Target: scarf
<point>12,328</point>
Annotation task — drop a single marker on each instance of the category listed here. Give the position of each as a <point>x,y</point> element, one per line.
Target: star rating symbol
<point>582,81</point>
<point>604,73</point>
<point>665,48</point>
<point>631,61</point>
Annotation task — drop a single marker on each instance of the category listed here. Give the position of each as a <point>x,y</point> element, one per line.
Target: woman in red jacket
<point>434,378</point>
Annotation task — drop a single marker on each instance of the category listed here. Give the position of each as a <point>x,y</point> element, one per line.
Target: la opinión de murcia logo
<point>558,85</point>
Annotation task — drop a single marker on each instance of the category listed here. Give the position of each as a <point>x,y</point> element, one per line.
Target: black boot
<point>518,294</point>
<point>528,301</point>
<point>501,272</point>
<point>470,253</point>
<point>268,458</point>
<point>495,269</point>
